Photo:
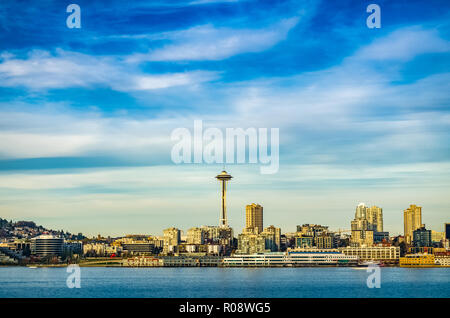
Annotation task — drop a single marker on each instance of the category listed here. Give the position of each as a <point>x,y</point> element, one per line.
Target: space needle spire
<point>224,177</point>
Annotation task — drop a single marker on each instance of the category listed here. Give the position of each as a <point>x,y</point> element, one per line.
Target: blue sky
<point>86,114</point>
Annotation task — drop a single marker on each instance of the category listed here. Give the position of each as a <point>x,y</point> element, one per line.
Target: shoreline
<point>120,266</point>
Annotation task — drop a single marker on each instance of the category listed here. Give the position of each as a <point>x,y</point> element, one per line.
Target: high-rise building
<point>314,235</point>
<point>272,236</point>
<point>375,217</point>
<point>312,229</point>
<point>304,241</point>
<point>218,235</point>
<point>251,243</point>
<point>195,235</point>
<point>368,221</point>
<point>172,237</point>
<point>224,177</point>
<point>412,220</point>
<point>422,238</point>
<point>254,217</point>
<point>437,237</point>
<point>447,231</point>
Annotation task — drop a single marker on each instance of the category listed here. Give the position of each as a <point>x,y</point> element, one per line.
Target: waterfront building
<point>417,260</point>
<point>422,238</point>
<point>46,244</point>
<point>190,261</point>
<point>142,261</point>
<point>447,231</point>
<point>254,217</point>
<point>139,247</point>
<point>442,260</point>
<point>292,258</point>
<point>386,254</point>
<point>412,220</point>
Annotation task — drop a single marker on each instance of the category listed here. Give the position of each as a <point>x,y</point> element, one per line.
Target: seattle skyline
<point>86,114</point>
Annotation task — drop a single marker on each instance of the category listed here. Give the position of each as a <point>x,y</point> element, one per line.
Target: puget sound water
<point>207,282</point>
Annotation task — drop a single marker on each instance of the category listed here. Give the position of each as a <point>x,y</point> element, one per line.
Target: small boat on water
<point>371,263</point>
<point>32,266</point>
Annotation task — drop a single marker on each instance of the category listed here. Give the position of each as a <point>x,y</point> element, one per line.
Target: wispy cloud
<point>42,70</point>
<point>207,42</point>
<point>405,44</point>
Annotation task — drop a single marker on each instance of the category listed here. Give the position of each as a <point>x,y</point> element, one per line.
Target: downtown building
<point>314,236</point>
<point>384,254</point>
<point>412,220</point>
<point>171,238</point>
<point>367,226</point>
<point>255,239</point>
<point>250,241</point>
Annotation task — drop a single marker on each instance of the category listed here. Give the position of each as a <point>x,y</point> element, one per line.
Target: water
<point>224,282</point>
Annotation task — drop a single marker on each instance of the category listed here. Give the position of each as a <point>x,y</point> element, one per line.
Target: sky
<point>86,114</point>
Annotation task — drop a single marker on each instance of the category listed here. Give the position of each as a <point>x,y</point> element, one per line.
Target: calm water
<point>224,282</point>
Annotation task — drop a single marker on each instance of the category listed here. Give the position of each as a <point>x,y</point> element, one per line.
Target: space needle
<point>224,177</point>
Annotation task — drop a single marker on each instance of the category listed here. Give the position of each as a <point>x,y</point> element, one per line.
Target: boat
<point>370,263</point>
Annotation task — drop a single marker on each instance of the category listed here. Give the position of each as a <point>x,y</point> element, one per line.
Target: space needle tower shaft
<point>224,177</point>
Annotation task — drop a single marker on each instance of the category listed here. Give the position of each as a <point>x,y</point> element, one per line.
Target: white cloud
<point>404,45</point>
<point>207,42</point>
<point>148,82</point>
<point>42,70</point>
<point>23,145</point>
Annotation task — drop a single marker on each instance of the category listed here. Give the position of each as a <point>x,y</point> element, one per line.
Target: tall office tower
<point>224,177</point>
<point>412,220</point>
<point>254,217</point>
